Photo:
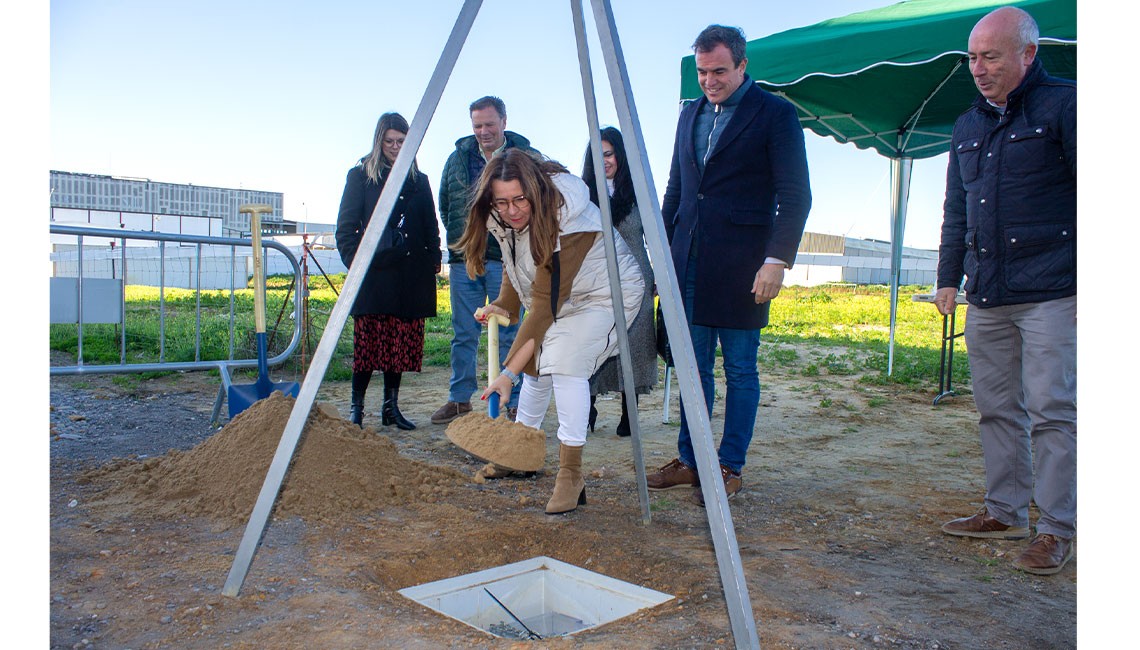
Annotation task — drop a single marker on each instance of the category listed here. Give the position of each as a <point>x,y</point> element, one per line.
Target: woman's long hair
<point>375,163</point>
<point>621,203</point>
<point>534,176</point>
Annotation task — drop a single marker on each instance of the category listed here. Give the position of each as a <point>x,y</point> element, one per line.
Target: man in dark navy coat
<point>735,208</point>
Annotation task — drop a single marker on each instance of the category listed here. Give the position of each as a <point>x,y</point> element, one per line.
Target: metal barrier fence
<point>89,286</point>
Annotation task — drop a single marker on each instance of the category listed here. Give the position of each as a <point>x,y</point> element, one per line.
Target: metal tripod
<point>720,519</point>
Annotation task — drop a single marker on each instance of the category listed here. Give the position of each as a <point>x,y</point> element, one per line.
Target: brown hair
<point>490,101</point>
<point>534,175</point>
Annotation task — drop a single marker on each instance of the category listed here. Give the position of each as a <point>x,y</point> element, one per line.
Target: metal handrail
<point>224,365</point>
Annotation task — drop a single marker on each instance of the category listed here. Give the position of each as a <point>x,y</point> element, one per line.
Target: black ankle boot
<point>623,424</point>
<point>359,388</point>
<point>390,414</point>
<point>356,415</point>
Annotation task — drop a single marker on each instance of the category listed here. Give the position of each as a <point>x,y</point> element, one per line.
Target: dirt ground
<point>844,491</point>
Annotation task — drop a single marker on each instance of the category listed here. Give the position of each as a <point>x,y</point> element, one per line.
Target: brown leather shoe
<point>1046,555</point>
<point>983,525</point>
<point>450,411</point>
<point>672,476</point>
<point>733,484</point>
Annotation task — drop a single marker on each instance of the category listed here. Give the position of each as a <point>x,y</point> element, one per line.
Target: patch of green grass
<point>876,402</point>
<point>128,382</point>
<point>662,504</point>
<point>825,403</point>
<point>777,356</point>
<point>858,318</point>
<point>837,365</point>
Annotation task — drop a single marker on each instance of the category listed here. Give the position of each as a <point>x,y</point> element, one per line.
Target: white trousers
<point>571,400</point>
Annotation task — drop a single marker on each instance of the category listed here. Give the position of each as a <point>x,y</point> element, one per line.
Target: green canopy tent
<point>892,79</point>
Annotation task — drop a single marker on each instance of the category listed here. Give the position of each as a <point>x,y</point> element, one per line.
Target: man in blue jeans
<point>460,173</point>
<point>734,210</point>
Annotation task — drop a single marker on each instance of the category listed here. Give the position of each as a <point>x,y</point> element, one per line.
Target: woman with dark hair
<point>554,267</point>
<point>398,292</point>
<point>627,221</point>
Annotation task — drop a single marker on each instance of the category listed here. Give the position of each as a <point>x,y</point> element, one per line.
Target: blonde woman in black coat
<point>398,292</point>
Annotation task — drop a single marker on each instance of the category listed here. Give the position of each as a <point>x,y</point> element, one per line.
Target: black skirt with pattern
<point>387,343</point>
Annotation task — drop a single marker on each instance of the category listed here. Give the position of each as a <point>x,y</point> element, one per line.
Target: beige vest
<point>583,336</point>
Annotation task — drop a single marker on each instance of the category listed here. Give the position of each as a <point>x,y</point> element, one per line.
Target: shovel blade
<point>244,396</point>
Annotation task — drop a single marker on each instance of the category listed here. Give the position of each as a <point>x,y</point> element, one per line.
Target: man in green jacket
<point>460,173</point>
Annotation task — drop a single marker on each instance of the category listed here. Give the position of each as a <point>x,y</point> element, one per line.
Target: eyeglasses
<point>520,203</point>
<point>389,142</point>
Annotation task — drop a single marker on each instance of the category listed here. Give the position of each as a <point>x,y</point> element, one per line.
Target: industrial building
<point>142,204</point>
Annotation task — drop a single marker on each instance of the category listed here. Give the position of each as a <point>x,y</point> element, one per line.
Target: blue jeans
<point>467,295</point>
<point>742,384</point>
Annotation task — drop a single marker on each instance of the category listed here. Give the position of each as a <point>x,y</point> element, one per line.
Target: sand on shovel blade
<point>500,441</point>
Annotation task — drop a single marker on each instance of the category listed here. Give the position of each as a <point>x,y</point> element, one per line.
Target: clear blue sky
<point>284,95</point>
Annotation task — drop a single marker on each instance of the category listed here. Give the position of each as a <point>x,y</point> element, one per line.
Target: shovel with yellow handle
<point>493,370</point>
<point>243,396</point>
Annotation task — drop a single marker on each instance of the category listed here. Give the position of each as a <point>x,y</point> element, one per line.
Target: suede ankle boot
<point>390,414</point>
<point>569,485</point>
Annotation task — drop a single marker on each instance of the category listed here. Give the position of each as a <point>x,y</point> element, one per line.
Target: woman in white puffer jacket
<point>554,263</point>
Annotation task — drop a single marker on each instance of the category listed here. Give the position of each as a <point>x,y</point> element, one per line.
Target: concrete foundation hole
<point>536,598</point>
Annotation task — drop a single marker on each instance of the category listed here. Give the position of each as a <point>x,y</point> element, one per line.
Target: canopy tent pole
<point>900,194</point>
<point>611,255</point>
<point>327,346</point>
<point>692,398</point>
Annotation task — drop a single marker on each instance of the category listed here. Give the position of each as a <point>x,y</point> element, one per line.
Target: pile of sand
<point>337,468</point>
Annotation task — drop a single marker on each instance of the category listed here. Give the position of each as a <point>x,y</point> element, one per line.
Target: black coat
<point>405,289</point>
<point>751,203</point>
<point>1010,215</point>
